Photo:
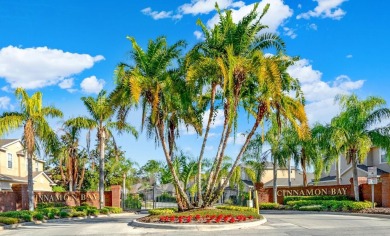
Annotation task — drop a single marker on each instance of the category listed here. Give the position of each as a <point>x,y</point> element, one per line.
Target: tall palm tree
<point>36,129</point>
<point>205,70</point>
<point>72,157</point>
<point>165,99</point>
<point>101,113</point>
<point>357,128</point>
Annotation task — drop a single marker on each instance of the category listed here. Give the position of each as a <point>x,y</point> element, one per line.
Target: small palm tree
<point>254,160</point>
<point>32,118</point>
<point>356,129</point>
<point>101,113</point>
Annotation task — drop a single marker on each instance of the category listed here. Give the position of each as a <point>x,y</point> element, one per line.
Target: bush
<point>50,215</point>
<point>324,197</point>
<point>114,210</point>
<point>15,214</point>
<point>79,214</point>
<point>104,211</point>
<point>331,205</point>
<point>166,197</point>
<point>64,214</point>
<point>162,211</point>
<point>237,208</point>
<point>26,217</point>
<point>58,188</point>
<point>8,220</point>
<point>269,205</point>
<point>92,212</point>
<point>38,216</point>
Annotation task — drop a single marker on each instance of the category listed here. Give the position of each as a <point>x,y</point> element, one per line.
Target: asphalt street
<point>278,224</point>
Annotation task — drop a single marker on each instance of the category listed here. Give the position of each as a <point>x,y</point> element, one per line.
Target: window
<point>383,156</point>
<point>36,166</point>
<point>9,160</point>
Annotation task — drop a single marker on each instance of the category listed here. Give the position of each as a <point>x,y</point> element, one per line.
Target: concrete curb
<point>199,227</point>
<point>324,213</point>
<point>38,222</point>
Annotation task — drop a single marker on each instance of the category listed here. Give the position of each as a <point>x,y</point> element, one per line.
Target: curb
<point>38,222</point>
<point>325,213</point>
<point>199,227</point>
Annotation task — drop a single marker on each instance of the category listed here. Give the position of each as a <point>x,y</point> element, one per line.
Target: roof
<point>16,179</point>
<point>365,168</point>
<point>327,178</point>
<point>5,142</point>
<point>297,181</point>
<point>247,183</point>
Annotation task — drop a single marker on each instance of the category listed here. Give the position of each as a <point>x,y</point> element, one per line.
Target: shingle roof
<point>327,178</point>
<point>4,142</point>
<point>365,168</point>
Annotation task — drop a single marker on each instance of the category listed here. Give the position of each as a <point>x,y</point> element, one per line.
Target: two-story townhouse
<point>376,157</point>
<point>13,167</point>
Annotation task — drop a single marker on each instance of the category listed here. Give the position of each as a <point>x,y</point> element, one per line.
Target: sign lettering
<point>313,192</point>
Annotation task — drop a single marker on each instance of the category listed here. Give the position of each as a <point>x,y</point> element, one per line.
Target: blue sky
<point>69,49</point>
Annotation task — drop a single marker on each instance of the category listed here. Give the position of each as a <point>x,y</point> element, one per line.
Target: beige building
<point>296,176</point>
<point>13,167</point>
<point>376,157</point>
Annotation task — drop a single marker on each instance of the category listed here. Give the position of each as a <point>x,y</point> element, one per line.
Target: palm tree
<point>71,155</point>
<point>206,65</point>
<point>101,113</point>
<point>32,117</point>
<point>165,99</point>
<point>357,128</point>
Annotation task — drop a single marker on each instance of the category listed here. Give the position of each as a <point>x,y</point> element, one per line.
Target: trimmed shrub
<point>79,214</point>
<point>331,205</point>
<point>269,205</point>
<point>50,215</point>
<point>64,214</point>
<point>26,217</point>
<point>104,211</point>
<point>321,197</point>
<point>162,211</point>
<point>114,210</point>
<point>8,220</point>
<point>237,208</point>
<point>38,216</point>
<point>92,212</point>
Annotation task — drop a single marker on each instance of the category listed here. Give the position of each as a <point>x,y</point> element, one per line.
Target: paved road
<point>278,224</point>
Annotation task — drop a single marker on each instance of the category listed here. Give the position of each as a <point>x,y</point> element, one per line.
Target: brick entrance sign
<point>382,191</point>
<point>18,198</point>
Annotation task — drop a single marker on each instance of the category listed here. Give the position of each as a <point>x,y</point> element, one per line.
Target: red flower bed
<point>206,219</point>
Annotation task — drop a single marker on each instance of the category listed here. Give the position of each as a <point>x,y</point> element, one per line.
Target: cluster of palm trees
<point>37,133</point>
<point>228,72</point>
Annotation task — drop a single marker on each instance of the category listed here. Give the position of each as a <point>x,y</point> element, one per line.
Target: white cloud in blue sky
<point>92,85</point>
<point>325,9</point>
<point>39,67</point>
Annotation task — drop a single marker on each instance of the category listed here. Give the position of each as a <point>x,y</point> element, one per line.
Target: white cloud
<point>5,102</point>
<point>157,15</point>
<point>289,32</point>
<point>32,68</point>
<point>319,94</point>
<point>325,9</point>
<point>313,26</point>
<point>198,35</point>
<point>92,85</point>
<point>206,6</point>
<point>66,83</point>
<point>349,56</point>
<point>277,14</point>
<point>6,89</point>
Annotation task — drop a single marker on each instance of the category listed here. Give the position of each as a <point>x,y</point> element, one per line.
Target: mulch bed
<point>377,210</point>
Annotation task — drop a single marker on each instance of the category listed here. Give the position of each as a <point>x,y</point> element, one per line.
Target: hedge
<point>325,197</point>
<point>269,205</point>
<point>331,205</point>
<point>162,211</point>
<point>237,208</point>
<point>8,220</point>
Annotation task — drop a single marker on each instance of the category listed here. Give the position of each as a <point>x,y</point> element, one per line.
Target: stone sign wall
<point>18,198</point>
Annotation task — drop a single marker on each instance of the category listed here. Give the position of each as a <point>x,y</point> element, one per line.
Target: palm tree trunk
<point>102,137</point>
<point>338,170</point>
<point>81,180</point>
<point>289,171</point>
<point>355,177</point>
<point>303,165</point>
<point>199,178</point>
<point>275,186</point>
<point>30,182</point>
